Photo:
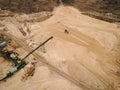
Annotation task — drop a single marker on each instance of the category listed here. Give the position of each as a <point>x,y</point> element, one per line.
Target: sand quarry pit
<point>85,58</point>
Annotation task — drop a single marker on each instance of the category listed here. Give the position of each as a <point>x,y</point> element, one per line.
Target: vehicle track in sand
<point>74,37</point>
<point>78,83</point>
<point>79,38</point>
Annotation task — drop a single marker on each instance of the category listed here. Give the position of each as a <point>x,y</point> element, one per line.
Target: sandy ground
<point>87,58</point>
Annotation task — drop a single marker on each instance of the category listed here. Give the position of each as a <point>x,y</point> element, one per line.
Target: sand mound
<point>88,54</point>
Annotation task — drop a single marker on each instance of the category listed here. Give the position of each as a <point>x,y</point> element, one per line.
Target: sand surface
<point>87,58</point>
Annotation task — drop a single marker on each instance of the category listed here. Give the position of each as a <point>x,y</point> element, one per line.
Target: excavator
<point>23,63</point>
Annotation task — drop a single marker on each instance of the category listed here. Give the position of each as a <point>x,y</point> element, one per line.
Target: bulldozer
<point>66,31</point>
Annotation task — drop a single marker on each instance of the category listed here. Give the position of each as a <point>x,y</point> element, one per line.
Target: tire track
<point>78,83</point>
<point>92,43</point>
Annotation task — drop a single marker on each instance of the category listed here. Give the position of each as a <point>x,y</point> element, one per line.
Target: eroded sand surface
<point>87,57</point>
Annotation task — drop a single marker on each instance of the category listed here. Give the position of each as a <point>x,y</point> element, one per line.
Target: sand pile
<point>88,54</point>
